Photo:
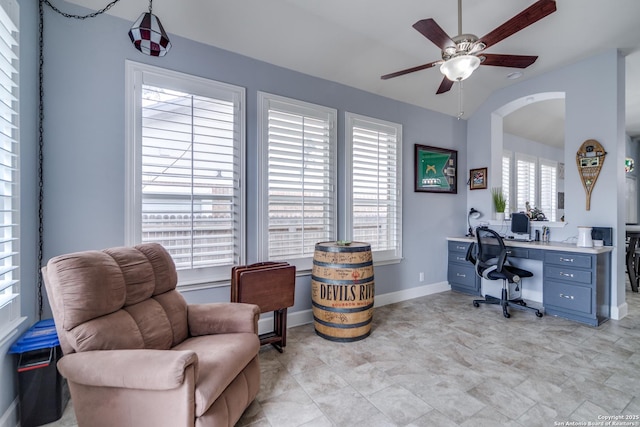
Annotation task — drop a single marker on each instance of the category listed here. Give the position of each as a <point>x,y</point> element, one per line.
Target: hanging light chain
<point>460,110</point>
<point>90,15</point>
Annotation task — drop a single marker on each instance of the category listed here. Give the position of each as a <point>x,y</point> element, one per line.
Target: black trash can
<point>43,391</point>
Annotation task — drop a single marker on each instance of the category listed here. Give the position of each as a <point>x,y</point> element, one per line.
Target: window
<point>9,173</point>
<point>525,184</point>
<point>373,157</point>
<point>297,142</point>
<point>535,181</point>
<point>506,181</point>
<point>186,156</point>
<point>548,188</point>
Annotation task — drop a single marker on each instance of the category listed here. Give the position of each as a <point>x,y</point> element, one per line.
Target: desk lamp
<point>475,214</point>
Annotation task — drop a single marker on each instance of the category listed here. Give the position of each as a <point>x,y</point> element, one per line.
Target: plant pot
<point>500,216</point>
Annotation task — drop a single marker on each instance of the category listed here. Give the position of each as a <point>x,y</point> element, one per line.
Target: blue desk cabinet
<point>576,286</point>
<point>461,273</point>
<point>576,282</point>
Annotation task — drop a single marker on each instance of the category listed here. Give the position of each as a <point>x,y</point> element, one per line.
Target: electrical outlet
<point>421,276</point>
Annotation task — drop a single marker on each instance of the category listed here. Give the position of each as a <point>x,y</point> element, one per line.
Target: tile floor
<point>438,361</point>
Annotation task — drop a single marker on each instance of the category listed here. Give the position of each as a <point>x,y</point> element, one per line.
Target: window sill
<point>8,331</point>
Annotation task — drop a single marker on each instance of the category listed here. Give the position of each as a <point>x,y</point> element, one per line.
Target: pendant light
<point>148,35</point>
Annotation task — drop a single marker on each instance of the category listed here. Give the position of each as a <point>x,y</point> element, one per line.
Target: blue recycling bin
<point>42,390</point>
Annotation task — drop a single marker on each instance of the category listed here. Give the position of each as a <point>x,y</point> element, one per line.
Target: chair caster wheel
<point>538,314</point>
<point>507,315</point>
<point>524,304</point>
<point>475,304</point>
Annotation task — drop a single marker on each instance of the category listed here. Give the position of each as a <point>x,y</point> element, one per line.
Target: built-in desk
<point>576,282</point>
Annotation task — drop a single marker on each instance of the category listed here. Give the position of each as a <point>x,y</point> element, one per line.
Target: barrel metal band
<point>335,265</point>
<point>342,310</point>
<point>330,338</point>
<point>352,248</point>
<point>342,282</point>
<point>342,326</point>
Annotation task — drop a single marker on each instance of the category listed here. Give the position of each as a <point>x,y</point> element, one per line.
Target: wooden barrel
<point>342,289</point>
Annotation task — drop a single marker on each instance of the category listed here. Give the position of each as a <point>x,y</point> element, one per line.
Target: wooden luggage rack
<point>271,286</point>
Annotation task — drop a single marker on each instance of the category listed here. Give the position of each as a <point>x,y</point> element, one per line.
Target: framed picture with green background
<point>436,169</point>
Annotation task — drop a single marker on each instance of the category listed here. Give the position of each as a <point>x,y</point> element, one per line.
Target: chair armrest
<point>222,318</point>
<point>136,369</point>
<point>469,255</point>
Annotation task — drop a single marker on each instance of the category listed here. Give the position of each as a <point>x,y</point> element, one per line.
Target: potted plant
<point>499,202</point>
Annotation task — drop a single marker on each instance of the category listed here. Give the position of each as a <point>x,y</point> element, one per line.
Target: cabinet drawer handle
<point>566,296</point>
<point>566,259</point>
<point>461,275</point>
<point>462,248</point>
<point>508,252</point>
<point>461,258</point>
<point>566,274</point>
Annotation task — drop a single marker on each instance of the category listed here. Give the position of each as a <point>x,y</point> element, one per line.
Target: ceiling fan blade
<point>431,30</point>
<point>514,61</point>
<point>410,70</point>
<point>532,14</point>
<point>445,86</point>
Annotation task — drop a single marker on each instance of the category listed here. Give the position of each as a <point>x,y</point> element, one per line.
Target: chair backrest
<point>490,244</point>
<point>491,253</point>
<point>118,298</point>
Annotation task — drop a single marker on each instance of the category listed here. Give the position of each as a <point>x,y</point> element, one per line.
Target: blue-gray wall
<point>594,99</point>
<point>84,155</point>
<point>84,150</point>
<point>84,146</point>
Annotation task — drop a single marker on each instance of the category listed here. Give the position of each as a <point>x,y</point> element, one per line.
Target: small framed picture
<point>478,179</point>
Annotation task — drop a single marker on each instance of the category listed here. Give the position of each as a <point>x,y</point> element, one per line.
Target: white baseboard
<point>407,294</point>
<point>10,416</point>
<point>306,316</point>
<point>618,312</point>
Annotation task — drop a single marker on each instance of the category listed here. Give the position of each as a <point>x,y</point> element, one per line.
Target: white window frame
<point>137,74</point>
<point>352,120</point>
<point>10,313</point>
<point>304,262</point>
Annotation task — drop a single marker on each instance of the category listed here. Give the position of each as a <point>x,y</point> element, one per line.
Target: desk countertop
<point>549,246</point>
<point>633,228</point>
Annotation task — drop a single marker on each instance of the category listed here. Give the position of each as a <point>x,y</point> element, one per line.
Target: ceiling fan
<point>462,54</point>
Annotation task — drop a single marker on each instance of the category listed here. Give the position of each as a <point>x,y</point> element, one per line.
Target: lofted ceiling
<point>354,42</point>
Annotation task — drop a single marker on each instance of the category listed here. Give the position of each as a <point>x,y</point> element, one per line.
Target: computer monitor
<point>520,226</point>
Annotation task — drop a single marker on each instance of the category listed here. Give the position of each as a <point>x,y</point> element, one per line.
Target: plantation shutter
<point>9,176</point>
<point>506,180</point>
<point>375,184</point>
<point>548,188</point>
<point>300,178</point>
<point>525,181</point>
<point>190,177</point>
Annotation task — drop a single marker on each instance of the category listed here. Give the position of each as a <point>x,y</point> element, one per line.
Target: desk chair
<point>491,263</point>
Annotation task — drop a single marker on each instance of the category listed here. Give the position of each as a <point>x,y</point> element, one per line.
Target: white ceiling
<point>354,42</point>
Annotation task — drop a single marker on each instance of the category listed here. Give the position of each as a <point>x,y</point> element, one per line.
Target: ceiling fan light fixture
<point>460,67</point>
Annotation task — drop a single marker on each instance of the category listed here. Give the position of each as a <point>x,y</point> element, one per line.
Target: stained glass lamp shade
<point>148,35</point>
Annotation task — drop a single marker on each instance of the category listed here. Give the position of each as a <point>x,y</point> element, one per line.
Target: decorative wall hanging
<point>628,164</point>
<point>589,160</point>
<point>478,179</point>
<point>435,169</point>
